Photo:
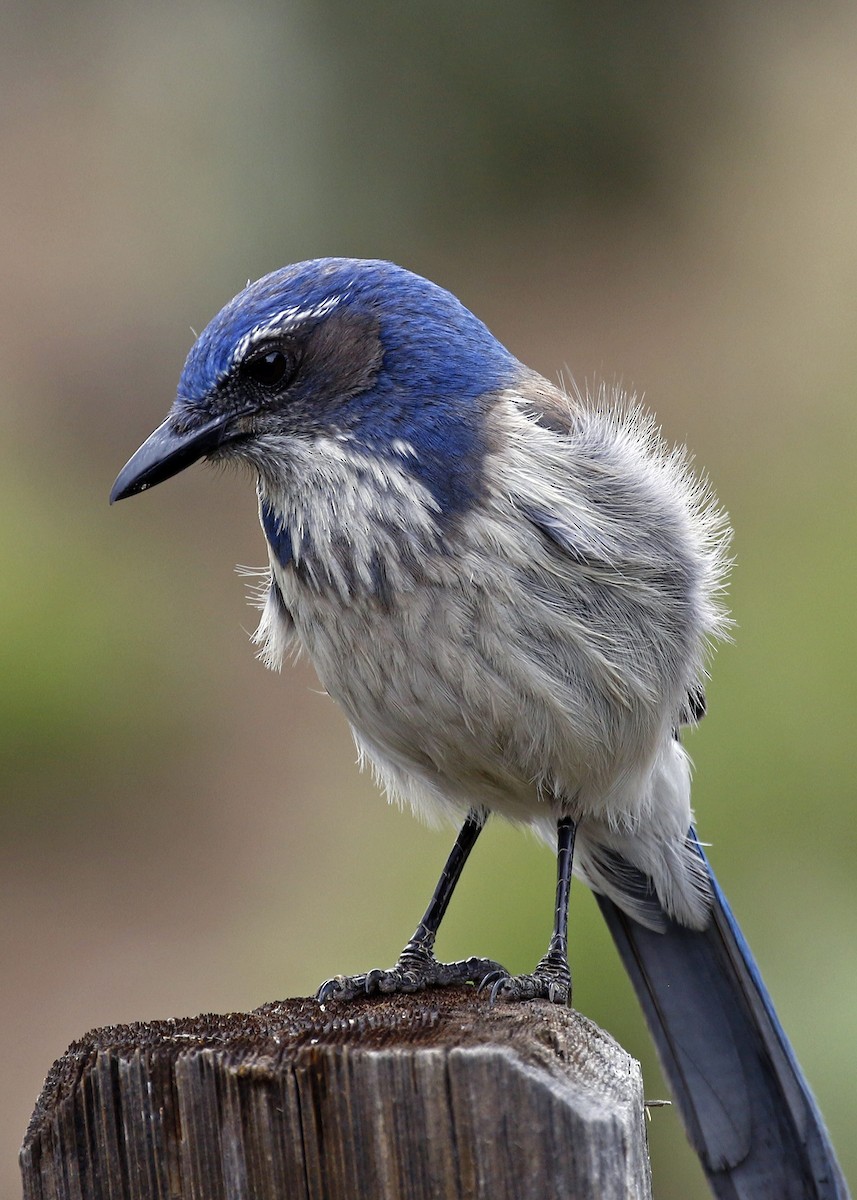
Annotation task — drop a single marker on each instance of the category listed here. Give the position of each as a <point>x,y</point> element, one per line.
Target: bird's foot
<point>551,980</point>
<point>416,970</point>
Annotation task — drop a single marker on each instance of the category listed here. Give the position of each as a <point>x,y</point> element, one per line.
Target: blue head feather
<point>439,368</point>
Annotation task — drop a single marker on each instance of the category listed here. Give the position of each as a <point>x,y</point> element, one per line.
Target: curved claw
<point>408,982</point>
<point>372,981</point>
<point>499,987</point>
<point>330,989</point>
<point>492,980</point>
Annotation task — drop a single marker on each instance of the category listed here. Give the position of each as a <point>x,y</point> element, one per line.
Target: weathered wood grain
<point>426,1097</point>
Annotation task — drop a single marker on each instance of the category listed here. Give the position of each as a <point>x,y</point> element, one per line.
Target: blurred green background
<point>663,195</point>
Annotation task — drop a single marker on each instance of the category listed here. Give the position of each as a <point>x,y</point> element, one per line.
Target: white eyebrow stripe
<point>285,319</point>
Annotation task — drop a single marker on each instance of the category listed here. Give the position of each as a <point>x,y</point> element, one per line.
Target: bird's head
<point>361,351</point>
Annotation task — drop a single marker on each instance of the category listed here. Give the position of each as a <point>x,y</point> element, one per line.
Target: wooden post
<point>427,1097</point>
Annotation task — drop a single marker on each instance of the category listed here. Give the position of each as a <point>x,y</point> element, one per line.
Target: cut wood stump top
<point>420,1097</point>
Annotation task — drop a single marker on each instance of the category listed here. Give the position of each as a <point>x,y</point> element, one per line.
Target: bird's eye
<point>270,368</point>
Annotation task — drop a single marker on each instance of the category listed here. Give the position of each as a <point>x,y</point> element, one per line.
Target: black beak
<point>166,453</point>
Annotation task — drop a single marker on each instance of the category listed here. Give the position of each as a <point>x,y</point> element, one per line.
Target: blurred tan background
<point>663,195</point>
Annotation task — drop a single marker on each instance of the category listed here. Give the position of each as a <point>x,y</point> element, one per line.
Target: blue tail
<point>746,1106</point>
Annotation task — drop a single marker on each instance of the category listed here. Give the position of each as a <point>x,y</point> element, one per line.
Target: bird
<point>511,587</point>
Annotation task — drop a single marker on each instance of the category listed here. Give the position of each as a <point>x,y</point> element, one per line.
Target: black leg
<point>417,967</point>
<point>426,932</point>
<point>552,977</point>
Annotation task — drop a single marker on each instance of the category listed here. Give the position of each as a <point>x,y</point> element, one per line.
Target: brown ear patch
<point>344,354</point>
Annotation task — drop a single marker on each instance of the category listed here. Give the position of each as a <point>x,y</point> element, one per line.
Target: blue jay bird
<point>510,591</point>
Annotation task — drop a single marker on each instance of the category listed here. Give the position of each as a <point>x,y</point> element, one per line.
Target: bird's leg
<point>417,968</point>
<point>551,979</point>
